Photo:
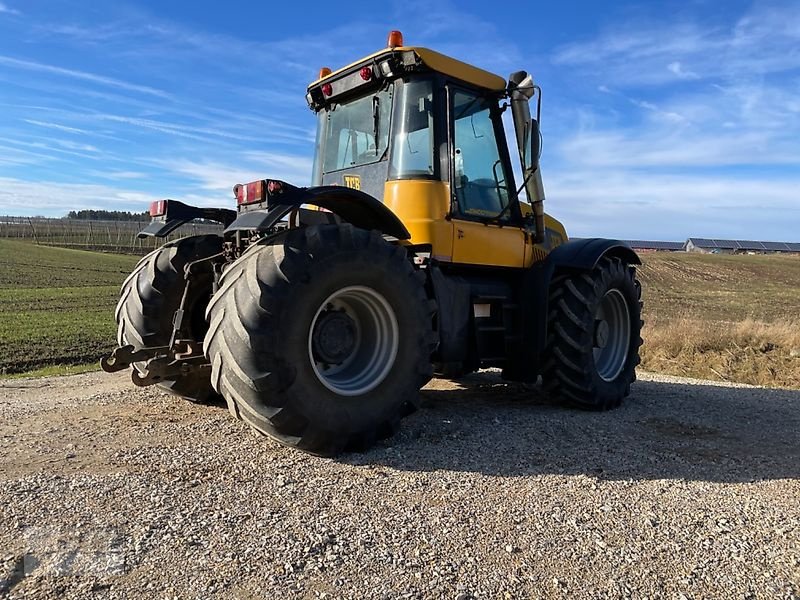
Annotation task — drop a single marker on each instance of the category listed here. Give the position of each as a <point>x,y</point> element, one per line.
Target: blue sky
<point>661,120</point>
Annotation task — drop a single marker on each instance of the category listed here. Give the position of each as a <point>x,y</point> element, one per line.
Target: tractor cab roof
<point>387,65</point>
<point>435,61</point>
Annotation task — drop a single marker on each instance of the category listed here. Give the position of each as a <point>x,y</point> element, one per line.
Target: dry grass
<point>730,318</point>
<point>748,351</point>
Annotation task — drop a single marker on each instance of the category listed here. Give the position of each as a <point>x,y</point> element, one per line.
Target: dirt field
<point>722,317</point>
<point>688,491</point>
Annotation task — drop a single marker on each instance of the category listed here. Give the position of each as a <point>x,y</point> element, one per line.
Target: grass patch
<point>56,305</point>
<point>56,371</point>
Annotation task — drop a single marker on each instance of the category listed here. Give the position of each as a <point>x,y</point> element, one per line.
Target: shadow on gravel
<point>662,431</point>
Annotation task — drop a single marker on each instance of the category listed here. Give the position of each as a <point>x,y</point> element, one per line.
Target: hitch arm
<point>124,356</point>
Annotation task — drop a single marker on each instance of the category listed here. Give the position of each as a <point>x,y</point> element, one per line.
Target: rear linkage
<point>183,356</point>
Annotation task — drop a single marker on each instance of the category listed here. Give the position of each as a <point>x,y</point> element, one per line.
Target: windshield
<point>353,134</point>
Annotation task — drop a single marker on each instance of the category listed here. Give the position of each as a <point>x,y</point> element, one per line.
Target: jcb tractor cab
<point>320,311</point>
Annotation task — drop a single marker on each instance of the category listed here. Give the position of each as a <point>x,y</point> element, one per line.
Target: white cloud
<point>676,68</point>
<point>630,204</point>
<point>76,145</point>
<point>56,198</point>
<point>82,75</point>
<point>4,8</point>
<point>55,126</point>
<point>50,148</point>
<point>116,175</point>
<point>714,149</point>
<point>765,40</point>
<point>221,176</point>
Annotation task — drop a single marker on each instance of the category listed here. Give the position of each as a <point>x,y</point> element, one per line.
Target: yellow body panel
<point>475,243</point>
<point>555,236</point>
<point>422,206</point>
<point>437,62</point>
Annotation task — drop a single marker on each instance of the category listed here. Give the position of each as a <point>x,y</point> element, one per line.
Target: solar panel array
<point>745,245</point>
<point>651,245</point>
<point>709,244</point>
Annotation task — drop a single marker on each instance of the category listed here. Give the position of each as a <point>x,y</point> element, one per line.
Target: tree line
<point>107,215</point>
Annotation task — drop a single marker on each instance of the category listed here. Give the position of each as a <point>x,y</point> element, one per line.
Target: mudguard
<point>353,206</point>
<point>177,213</point>
<point>584,254</point>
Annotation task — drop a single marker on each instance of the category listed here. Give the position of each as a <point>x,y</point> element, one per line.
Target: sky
<point>661,120</point>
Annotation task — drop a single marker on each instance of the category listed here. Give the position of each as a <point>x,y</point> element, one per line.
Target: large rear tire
<point>152,293</point>
<point>321,338</point>
<point>593,336</point>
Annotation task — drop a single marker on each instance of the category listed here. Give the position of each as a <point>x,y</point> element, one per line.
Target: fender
<point>354,206</point>
<point>177,213</point>
<point>584,254</point>
<point>575,256</point>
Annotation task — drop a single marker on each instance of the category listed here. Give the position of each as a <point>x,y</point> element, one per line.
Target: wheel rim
<point>353,340</point>
<point>612,335</point>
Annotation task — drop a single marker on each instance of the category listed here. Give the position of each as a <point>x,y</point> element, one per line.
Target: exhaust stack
<point>521,89</point>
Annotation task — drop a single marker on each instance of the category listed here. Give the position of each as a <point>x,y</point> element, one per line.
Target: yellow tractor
<point>321,311</point>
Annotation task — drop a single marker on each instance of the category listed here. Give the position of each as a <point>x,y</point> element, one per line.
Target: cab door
<point>485,212</point>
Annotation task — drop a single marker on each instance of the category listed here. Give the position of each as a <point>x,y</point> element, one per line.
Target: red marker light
<point>327,89</point>
<point>366,73</point>
<point>249,193</point>
<point>158,208</point>
<point>274,187</point>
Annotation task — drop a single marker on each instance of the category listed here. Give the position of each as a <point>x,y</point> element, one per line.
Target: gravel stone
<point>490,491</point>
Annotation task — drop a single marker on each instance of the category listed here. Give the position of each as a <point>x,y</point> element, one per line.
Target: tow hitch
<point>184,357</point>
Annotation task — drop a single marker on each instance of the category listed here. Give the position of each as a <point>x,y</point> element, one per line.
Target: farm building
<point>710,246</point>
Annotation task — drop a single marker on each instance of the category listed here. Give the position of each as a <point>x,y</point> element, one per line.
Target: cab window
<point>480,183</point>
<point>412,154</point>
<point>356,133</point>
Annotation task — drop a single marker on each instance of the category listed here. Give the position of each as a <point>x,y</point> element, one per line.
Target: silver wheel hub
<point>612,335</point>
<point>353,340</point>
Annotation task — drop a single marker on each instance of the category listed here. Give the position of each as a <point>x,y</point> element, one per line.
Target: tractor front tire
<point>321,338</point>
<point>153,292</point>
<point>593,336</point>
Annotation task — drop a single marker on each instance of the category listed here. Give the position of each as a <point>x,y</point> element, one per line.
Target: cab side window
<point>479,177</point>
<point>412,154</point>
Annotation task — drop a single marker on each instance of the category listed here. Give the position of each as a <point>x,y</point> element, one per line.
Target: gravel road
<point>690,490</point>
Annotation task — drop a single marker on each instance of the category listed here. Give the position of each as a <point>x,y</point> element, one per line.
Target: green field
<point>56,305</point>
<point>733,318</point>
